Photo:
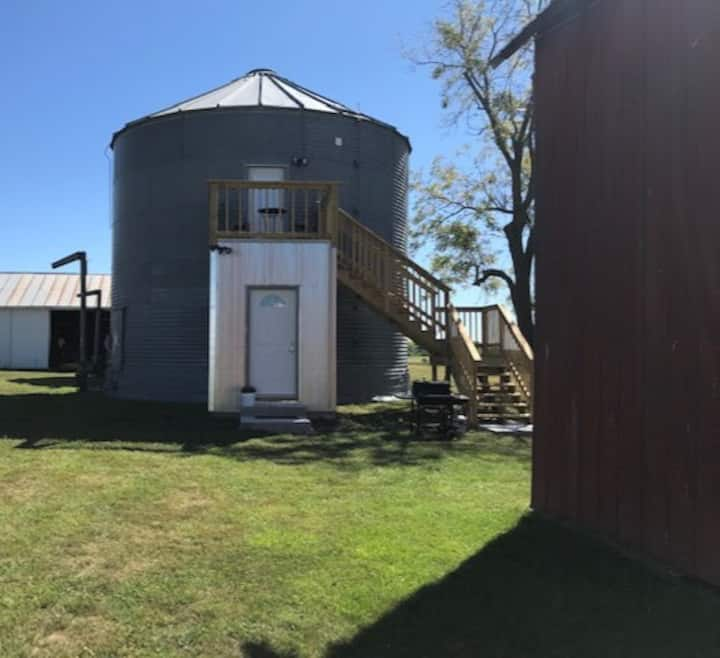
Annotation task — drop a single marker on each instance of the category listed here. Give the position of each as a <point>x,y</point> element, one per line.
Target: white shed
<point>39,317</point>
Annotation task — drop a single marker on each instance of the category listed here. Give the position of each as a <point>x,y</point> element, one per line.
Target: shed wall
<point>24,338</point>
<point>160,250</point>
<point>627,440</point>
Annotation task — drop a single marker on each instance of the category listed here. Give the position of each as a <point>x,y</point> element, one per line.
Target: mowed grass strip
<point>137,529</point>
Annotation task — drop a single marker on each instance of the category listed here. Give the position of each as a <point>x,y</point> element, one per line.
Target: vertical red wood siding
<point>627,439</point>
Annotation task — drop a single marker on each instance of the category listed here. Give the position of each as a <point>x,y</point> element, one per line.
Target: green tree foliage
<point>478,219</point>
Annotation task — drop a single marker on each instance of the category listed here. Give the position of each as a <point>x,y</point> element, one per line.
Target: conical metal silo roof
<point>260,88</point>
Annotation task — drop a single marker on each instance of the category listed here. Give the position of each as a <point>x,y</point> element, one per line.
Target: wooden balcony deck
<point>272,210</point>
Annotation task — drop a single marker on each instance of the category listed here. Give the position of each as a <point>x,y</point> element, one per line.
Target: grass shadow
<point>45,382</point>
<point>362,436</point>
<point>262,650</point>
<point>542,590</point>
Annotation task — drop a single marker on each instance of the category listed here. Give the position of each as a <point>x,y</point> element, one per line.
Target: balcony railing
<point>260,209</point>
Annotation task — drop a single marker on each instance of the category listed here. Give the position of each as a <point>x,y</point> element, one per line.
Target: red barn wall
<point>627,439</point>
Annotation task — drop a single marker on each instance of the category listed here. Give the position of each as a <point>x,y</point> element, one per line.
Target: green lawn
<point>137,529</point>
<point>420,368</point>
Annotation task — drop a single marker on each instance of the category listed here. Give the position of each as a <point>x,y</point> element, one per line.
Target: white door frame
<point>291,395</point>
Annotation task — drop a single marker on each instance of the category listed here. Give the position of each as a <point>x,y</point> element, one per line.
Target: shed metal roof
<point>259,88</point>
<point>49,290</point>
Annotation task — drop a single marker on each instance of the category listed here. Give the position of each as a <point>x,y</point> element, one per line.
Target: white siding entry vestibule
<point>273,323</point>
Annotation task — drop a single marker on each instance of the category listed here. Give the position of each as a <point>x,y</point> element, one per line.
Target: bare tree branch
<point>484,102</point>
<point>483,276</point>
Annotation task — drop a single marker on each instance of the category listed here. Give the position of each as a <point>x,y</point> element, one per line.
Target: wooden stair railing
<point>464,362</point>
<point>500,341</point>
<point>392,283</point>
<point>411,297</point>
<point>271,209</point>
<point>518,354</point>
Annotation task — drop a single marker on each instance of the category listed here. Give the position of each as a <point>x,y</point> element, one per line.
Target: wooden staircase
<point>489,360</point>
<point>498,396</point>
<point>482,349</point>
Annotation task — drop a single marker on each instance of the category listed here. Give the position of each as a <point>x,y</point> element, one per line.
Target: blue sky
<point>73,73</point>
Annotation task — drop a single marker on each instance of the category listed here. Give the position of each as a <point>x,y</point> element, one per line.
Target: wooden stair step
<point>520,407</point>
<point>490,418</point>
<point>486,369</point>
<point>510,389</point>
<point>499,376</point>
<point>500,396</point>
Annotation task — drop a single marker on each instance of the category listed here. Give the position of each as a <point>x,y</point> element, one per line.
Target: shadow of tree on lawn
<point>360,438</point>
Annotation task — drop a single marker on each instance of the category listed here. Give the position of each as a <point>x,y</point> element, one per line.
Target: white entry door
<point>272,342</point>
<point>267,207</point>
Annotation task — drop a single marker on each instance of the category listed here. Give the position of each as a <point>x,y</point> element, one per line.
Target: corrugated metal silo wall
<point>160,250</point>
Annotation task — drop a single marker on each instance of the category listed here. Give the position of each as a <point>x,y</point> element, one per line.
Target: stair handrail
<point>464,361</point>
<point>398,252</point>
<point>520,360</point>
<point>516,333</point>
<point>494,332</point>
<point>400,281</point>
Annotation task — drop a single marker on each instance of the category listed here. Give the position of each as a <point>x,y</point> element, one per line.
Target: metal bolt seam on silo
<point>162,163</point>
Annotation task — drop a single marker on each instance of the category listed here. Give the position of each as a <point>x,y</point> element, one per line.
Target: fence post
<point>331,212</point>
<point>446,304</point>
<point>501,332</point>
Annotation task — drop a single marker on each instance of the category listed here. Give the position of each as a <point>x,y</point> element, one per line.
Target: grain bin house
<point>627,440</point>
<point>259,238</point>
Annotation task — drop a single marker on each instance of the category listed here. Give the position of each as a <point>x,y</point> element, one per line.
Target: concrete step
<point>277,425</point>
<point>279,409</point>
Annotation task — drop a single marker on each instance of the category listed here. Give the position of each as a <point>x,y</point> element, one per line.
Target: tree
<point>479,218</point>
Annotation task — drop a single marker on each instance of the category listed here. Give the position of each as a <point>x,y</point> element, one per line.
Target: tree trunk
<point>520,292</point>
<point>522,302</point>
